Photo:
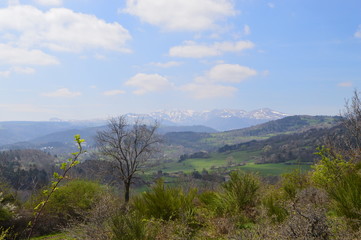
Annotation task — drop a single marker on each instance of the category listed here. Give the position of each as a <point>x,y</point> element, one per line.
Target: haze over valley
<point>180,119</point>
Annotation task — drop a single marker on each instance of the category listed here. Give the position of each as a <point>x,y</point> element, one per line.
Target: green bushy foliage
<point>3,233</point>
<point>213,202</point>
<point>131,226</point>
<point>293,182</point>
<point>5,214</point>
<point>8,204</point>
<point>330,168</point>
<point>346,198</point>
<point>342,181</point>
<point>238,198</point>
<point>74,199</point>
<point>241,192</point>
<point>167,203</point>
<point>273,202</point>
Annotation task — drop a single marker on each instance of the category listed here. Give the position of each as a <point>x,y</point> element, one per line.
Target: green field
<point>273,169</point>
<point>228,161</point>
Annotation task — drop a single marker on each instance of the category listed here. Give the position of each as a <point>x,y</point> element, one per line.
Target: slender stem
<point>55,185</point>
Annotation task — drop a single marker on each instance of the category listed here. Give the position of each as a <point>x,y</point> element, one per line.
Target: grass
<point>59,236</point>
<point>229,161</point>
<point>273,169</point>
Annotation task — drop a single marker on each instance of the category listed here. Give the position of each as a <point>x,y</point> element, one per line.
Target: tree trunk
<point>126,193</point>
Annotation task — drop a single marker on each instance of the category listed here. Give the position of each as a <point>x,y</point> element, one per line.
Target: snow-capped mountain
<point>219,119</point>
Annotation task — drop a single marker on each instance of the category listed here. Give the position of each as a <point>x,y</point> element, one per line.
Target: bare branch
<point>128,146</point>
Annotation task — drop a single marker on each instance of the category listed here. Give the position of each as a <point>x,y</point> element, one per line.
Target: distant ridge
<point>219,119</point>
<point>170,121</point>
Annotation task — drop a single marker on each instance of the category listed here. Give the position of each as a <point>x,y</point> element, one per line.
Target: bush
<point>213,202</point>
<point>75,198</point>
<point>68,204</point>
<point>330,168</point>
<point>130,226</point>
<point>241,192</point>
<point>293,182</point>
<point>274,203</point>
<point>167,203</point>
<point>342,181</point>
<point>346,198</point>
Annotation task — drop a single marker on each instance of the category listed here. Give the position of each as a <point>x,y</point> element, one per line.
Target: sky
<point>95,59</point>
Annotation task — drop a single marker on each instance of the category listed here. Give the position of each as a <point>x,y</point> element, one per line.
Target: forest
<point>128,188</point>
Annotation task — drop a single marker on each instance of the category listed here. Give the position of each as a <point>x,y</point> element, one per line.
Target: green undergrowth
<point>59,236</point>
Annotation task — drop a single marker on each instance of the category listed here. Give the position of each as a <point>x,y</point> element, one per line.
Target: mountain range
<point>24,132</point>
<point>219,119</point>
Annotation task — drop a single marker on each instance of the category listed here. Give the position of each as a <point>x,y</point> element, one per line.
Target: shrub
<point>213,202</point>
<point>274,203</point>
<point>3,233</point>
<point>241,192</point>
<point>75,198</point>
<point>346,198</point>
<point>293,182</point>
<point>130,226</point>
<point>7,207</point>
<point>342,181</point>
<point>167,203</point>
<point>329,168</point>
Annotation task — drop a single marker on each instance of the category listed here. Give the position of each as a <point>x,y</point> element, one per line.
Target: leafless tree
<point>346,140</point>
<point>128,146</point>
<point>352,123</point>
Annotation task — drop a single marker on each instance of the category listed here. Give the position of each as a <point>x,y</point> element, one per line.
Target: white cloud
<point>166,64</point>
<point>113,92</point>
<point>148,83</point>
<point>100,57</point>
<point>192,50</point>
<point>181,15</point>
<point>358,32</point>
<point>62,92</point>
<point>61,29</point>
<point>246,30</point>
<point>23,70</point>
<point>21,56</point>
<point>205,91</point>
<point>345,84</point>
<point>49,2</point>
<point>13,2</point>
<point>271,5</point>
<point>209,85</point>
<point>5,73</point>
<point>229,73</point>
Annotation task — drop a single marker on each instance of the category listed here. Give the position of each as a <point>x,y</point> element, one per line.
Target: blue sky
<point>88,59</point>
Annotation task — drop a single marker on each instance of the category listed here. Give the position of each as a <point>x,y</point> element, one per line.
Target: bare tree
<point>346,140</point>
<point>128,146</point>
<point>352,123</point>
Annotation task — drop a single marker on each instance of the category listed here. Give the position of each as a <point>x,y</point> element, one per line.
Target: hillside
<point>177,139</point>
<point>212,141</point>
<point>13,132</point>
<point>271,156</point>
<point>286,148</point>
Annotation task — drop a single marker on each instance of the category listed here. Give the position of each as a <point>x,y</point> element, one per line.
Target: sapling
<point>58,178</point>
